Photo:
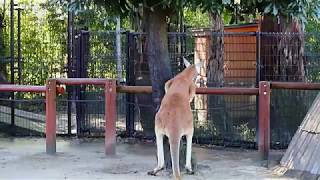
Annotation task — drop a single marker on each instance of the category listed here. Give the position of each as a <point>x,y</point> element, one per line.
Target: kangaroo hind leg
<point>160,155</point>
<point>174,150</point>
<point>188,154</point>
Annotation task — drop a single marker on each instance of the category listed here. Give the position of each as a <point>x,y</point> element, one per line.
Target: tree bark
<point>287,48</point>
<point>157,53</point>
<point>3,72</point>
<point>142,74</point>
<point>215,76</point>
<point>283,60</point>
<point>152,66</point>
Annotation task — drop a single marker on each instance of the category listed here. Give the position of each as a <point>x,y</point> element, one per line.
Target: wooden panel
<point>240,64</point>
<point>240,73</point>
<point>250,28</point>
<point>243,39</point>
<point>242,56</point>
<point>237,47</point>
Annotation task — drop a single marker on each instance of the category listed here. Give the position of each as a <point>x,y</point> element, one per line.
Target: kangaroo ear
<point>198,66</point>
<point>167,85</point>
<point>192,91</point>
<point>186,62</point>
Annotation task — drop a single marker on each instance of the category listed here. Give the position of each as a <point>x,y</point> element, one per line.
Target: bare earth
<point>25,158</point>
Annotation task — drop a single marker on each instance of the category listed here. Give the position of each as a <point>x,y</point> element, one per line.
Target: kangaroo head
<point>192,70</point>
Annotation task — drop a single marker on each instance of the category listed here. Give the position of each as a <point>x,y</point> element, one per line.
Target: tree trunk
<point>215,76</point>
<point>282,58</point>
<point>157,52</point>
<point>3,72</point>
<point>142,75</point>
<point>152,65</point>
<point>3,64</point>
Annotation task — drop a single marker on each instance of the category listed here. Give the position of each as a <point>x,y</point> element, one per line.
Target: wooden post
<point>264,120</point>
<point>110,117</point>
<point>51,116</point>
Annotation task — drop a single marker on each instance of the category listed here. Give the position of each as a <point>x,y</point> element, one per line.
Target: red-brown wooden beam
<point>27,88</point>
<point>81,81</point>
<point>228,91</point>
<point>21,88</point>
<point>134,89</point>
<point>220,91</point>
<point>264,120</point>
<point>295,85</point>
<point>51,116</point>
<point>110,117</point>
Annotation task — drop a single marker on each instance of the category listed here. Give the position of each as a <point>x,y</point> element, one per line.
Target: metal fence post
<point>264,120</point>
<point>51,116</point>
<point>12,104</point>
<point>258,46</point>
<point>110,117</point>
<point>130,82</point>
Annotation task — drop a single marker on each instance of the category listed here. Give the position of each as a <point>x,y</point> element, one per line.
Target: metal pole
<point>264,120</point>
<point>110,117</point>
<point>69,88</point>
<point>118,48</point>
<point>19,45</point>
<point>258,46</point>
<point>130,82</point>
<point>51,116</point>
<point>12,58</point>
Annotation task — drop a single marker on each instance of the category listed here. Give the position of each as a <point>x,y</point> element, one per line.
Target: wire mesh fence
<point>28,115</point>
<point>244,59</point>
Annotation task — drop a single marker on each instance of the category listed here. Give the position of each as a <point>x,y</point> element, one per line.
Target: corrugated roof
<point>303,152</point>
<point>311,122</point>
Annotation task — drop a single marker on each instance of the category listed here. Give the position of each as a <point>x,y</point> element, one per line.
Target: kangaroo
<point>174,118</point>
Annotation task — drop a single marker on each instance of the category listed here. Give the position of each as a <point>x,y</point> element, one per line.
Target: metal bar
<point>12,58</point>
<point>110,117</point>
<point>130,81</point>
<point>51,116</point>
<point>19,46</point>
<point>82,81</point>
<point>70,56</point>
<point>264,120</point>
<point>295,85</point>
<point>258,56</point>
<point>258,77</point>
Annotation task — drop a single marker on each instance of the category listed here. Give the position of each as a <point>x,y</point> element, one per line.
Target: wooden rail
<point>82,81</point>
<point>295,85</point>
<point>52,89</point>
<point>21,88</point>
<point>217,91</point>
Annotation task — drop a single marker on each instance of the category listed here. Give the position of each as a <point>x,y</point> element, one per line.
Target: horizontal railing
<point>52,88</point>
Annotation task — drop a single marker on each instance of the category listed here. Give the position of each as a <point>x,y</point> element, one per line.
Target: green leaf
<point>275,10</point>
<point>226,2</point>
<point>267,9</point>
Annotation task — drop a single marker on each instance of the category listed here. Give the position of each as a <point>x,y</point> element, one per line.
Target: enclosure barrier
<point>50,92</point>
<point>111,88</point>
<point>110,108</point>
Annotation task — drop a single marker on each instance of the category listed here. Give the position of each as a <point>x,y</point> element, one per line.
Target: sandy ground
<point>25,158</point>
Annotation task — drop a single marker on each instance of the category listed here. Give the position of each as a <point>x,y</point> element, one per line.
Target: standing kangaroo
<point>174,118</point>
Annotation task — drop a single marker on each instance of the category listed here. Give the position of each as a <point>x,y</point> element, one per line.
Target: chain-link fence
<point>244,59</point>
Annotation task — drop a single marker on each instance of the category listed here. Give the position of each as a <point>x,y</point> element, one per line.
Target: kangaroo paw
<point>189,171</point>
<point>155,171</point>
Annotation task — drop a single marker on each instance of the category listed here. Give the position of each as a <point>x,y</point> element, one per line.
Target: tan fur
<point>174,118</point>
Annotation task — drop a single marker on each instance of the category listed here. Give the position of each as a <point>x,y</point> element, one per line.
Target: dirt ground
<point>25,158</point>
